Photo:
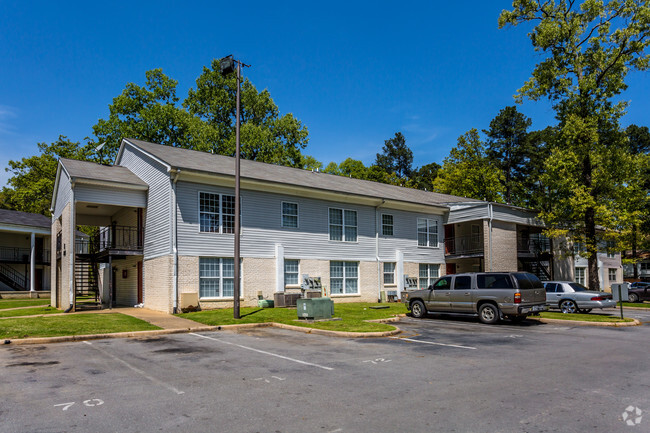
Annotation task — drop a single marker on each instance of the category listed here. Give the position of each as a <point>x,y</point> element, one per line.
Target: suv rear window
<point>494,281</point>
<point>528,281</point>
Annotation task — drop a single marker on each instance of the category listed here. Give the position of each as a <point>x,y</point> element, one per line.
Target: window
<point>580,276</point>
<point>343,225</point>
<point>443,284</point>
<point>291,272</point>
<point>216,213</point>
<point>290,215</point>
<point>494,281</point>
<point>550,287</point>
<point>427,232</point>
<point>612,274</point>
<point>344,278</point>
<point>428,274</point>
<point>610,250</point>
<point>216,277</point>
<point>389,273</point>
<point>463,283</point>
<point>386,225</point>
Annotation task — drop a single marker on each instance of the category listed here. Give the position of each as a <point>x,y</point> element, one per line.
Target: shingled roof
<point>185,159</point>
<point>24,219</point>
<point>106,173</point>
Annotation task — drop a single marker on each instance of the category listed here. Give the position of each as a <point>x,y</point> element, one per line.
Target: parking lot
<point>441,374</point>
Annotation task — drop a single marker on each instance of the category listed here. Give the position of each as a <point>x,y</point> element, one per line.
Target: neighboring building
<point>165,223</point>
<point>24,251</point>
<point>642,266</point>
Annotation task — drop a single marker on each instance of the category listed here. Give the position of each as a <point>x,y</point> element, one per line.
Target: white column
<point>32,263</point>
<point>399,272</point>
<point>279,268</point>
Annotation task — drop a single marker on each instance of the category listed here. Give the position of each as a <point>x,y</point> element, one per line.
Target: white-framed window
<point>389,273</point>
<point>344,278</point>
<point>386,224</point>
<point>216,277</point>
<point>289,215</point>
<point>610,249</point>
<point>291,272</point>
<point>216,213</point>
<point>428,274</point>
<point>427,232</point>
<point>343,225</point>
<point>580,276</point>
<point>612,274</point>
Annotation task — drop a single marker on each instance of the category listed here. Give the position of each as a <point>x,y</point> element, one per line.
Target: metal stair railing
<point>13,278</point>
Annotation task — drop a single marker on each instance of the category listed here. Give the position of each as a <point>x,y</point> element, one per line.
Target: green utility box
<point>315,308</point>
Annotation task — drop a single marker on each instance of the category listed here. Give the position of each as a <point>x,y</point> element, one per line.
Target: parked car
<point>490,295</point>
<point>571,297</point>
<point>639,291</point>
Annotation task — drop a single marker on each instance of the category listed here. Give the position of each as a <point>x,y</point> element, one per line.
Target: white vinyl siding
<point>216,213</point>
<point>428,274</point>
<point>387,225</point>
<point>289,215</point>
<point>343,225</point>
<point>427,232</point>
<point>216,277</point>
<point>344,278</point>
<point>389,273</point>
<point>291,272</point>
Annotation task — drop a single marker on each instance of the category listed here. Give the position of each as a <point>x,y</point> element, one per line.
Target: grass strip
<point>584,317</point>
<point>29,311</point>
<point>15,303</point>
<point>634,304</point>
<point>353,316</point>
<point>74,324</point>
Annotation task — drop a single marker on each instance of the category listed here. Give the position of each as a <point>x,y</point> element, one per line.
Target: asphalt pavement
<point>442,374</point>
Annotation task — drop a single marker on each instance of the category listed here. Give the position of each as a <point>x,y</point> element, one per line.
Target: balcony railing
<point>464,245</point>
<point>533,244</point>
<point>111,238</point>
<point>21,255</point>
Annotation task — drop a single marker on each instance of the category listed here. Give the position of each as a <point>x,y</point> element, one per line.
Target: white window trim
<point>392,225</point>
<point>221,298</point>
<point>417,233</point>
<point>329,223</point>
<point>384,273</point>
<point>287,285</point>
<point>198,209</point>
<point>282,215</point>
<point>429,278</point>
<point>358,292</point>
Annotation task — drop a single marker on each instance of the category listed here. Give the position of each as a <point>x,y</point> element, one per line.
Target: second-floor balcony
<point>22,255</point>
<point>117,238</point>
<point>533,244</point>
<point>464,245</point>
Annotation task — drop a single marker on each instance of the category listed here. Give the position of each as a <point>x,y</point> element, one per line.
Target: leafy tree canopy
<point>396,157</point>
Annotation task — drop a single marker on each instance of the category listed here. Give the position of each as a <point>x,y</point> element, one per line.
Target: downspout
<point>175,244</point>
<point>71,249</point>
<point>377,248</point>
<point>490,216</point>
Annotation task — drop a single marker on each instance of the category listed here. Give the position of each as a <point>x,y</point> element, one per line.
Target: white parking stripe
<point>435,344</point>
<point>263,352</point>
<point>137,370</point>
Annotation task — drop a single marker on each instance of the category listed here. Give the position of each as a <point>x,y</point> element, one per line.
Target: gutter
<point>491,217</point>
<point>174,217</point>
<point>377,248</point>
<point>71,248</point>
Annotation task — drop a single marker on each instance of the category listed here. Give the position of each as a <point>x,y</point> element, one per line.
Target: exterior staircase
<point>86,284</point>
<point>13,278</point>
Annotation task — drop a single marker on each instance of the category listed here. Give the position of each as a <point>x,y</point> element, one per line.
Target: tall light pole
<point>227,65</point>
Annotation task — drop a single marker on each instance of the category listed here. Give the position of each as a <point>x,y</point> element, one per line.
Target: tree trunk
<point>593,280</point>
<point>634,265</point>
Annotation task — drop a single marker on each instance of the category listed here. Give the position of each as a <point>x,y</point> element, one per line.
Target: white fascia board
<point>129,186</point>
<point>19,228</point>
<point>59,167</point>
<point>144,152</point>
<point>300,191</point>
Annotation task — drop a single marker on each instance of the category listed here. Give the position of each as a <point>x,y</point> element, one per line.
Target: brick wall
<point>158,283</point>
<point>504,247</point>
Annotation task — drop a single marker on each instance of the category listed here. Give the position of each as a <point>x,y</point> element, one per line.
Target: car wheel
<point>568,306</point>
<point>586,310</point>
<point>418,310</point>
<point>633,297</point>
<point>488,313</point>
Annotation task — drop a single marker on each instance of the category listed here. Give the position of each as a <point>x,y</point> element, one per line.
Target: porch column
<point>399,272</point>
<point>32,263</point>
<point>279,268</point>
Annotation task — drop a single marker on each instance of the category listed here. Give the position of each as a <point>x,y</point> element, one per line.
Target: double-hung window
<point>216,213</point>
<point>386,225</point>
<point>389,273</point>
<point>343,225</point>
<point>428,274</point>
<point>427,232</point>
<point>580,276</point>
<point>612,274</point>
<point>344,278</point>
<point>291,270</point>
<point>289,215</point>
<point>216,277</point>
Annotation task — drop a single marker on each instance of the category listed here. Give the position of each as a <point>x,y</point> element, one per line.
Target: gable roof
<point>86,170</point>
<point>192,160</point>
<point>24,219</point>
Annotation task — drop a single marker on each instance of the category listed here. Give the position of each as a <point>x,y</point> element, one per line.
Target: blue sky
<point>353,72</point>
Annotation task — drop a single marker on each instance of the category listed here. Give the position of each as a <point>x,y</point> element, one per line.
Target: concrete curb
<point>139,334</point>
<point>584,323</point>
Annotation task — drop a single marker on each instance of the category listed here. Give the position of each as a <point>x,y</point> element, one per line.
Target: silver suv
<point>491,295</point>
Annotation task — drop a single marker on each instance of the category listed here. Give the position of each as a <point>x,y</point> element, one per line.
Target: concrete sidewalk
<point>157,318</point>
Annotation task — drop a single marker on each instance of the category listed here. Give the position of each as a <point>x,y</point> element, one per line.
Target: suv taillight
<point>517,298</point>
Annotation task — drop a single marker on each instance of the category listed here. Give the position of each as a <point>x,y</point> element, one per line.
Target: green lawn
<point>635,304</point>
<point>353,317</point>
<point>29,312</point>
<point>15,303</point>
<point>73,324</point>
<point>584,317</point>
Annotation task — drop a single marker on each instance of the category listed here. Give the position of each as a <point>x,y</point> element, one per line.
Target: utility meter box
<point>315,308</point>
<point>623,291</point>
